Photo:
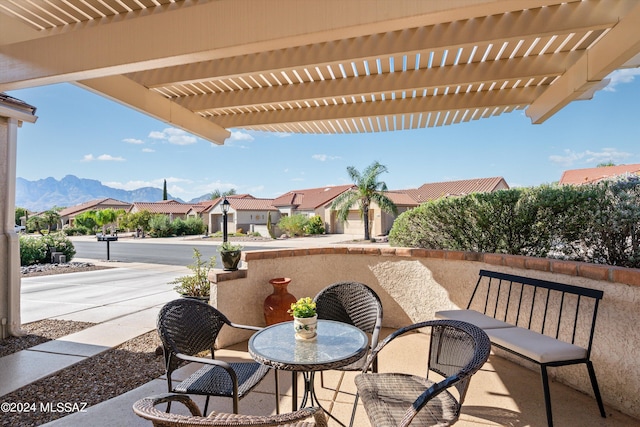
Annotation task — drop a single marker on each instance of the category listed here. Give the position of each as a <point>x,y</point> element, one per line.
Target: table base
<point>309,394</point>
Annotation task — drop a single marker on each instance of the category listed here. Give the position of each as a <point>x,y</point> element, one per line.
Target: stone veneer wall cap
<point>218,275</point>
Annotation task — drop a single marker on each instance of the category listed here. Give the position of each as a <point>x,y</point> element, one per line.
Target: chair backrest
<point>188,326</point>
<point>146,408</point>
<point>353,303</point>
<point>458,349</point>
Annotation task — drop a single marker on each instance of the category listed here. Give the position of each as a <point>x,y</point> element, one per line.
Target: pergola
<point>315,66</point>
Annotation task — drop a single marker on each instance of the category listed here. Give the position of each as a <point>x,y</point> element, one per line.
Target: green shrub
<point>59,242</point>
<point>293,225</point>
<point>75,231</point>
<point>194,226</point>
<point>598,223</point>
<point>161,226</point>
<point>33,250</point>
<point>315,225</point>
<point>179,227</point>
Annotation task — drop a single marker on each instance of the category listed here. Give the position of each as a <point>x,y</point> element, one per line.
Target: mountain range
<point>46,193</point>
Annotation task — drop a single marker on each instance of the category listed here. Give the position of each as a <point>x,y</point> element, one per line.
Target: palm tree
<point>367,189</point>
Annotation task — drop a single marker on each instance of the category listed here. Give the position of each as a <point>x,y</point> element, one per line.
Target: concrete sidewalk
<point>123,302</point>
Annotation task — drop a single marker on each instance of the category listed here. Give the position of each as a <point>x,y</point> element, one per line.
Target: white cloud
<point>102,157</point>
<point>240,136</point>
<point>590,157</point>
<point>148,150</point>
<point>617,77</point>
<point>174,136</point>
<point>324,157</point>
<point>133,141</point>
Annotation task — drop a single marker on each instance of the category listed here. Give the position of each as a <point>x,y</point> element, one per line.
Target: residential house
<point>311,202</point>
<point>592,175</point>
<point>246,213</point>
<point>172,208</point>
<point>67,215</point>
<point>380,222</point>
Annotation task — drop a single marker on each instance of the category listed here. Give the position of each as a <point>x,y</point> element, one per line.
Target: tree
<point>104,217</point>
<point>368,189</point>
<point>215,194</point>
<point>21,212</point>
<point>164,191</point>
<point>605,164</point>
<point>86,220</point>
<point>50,218</point>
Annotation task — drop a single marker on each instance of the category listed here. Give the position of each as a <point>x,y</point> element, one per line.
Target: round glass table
<point>337,344</point>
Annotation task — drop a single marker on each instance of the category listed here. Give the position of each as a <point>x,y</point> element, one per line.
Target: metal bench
<point>547,323</point>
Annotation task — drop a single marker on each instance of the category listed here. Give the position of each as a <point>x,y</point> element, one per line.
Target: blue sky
<point>83,134</point>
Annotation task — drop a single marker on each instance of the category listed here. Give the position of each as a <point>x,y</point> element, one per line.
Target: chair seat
<point>482,321</point>
<point>535,346</point>
<point>387,396</point>
<point>215,381</point>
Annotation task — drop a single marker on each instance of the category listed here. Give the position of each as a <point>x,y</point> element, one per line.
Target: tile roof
<point>591,175</point>
<point>246,204</point>
<point>162,208</point>
<point>95,204</point>
<point>311,198</point>
<point>435,190</point>
<point>401,198</point>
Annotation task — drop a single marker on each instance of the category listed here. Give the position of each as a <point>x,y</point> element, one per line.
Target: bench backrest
<point>562,311</point>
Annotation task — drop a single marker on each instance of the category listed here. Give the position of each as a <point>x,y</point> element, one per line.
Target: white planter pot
<point>305,327</point>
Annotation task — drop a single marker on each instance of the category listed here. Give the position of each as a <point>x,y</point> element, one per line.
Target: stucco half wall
<point>415,283</point>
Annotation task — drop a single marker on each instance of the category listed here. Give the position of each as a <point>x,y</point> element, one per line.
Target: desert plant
<point>33,250</point>
<point>315,225</point>
<point>196,284</point>
<point>293,225</point>
<point>161,226</point>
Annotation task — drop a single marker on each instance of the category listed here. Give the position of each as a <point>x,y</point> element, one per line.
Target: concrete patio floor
<point>502,393</point>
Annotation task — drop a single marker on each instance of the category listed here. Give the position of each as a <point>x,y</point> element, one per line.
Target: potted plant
<point>196,285</point>
<point>230,255</point>
<point>305,318</point>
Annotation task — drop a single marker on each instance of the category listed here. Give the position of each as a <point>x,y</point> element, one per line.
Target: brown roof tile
<point>591,175</point>
<point>95,204</point>
<point>311,198</point>
<point>246,204</point>
<point>436,190</point>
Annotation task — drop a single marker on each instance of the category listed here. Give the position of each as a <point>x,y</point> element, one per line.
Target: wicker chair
<point>146,408</point>
<point>356,304</point>
<point>188,327</point>
<point>456,351</point>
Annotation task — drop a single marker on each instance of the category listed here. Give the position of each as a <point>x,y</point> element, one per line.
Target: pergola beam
<point>616,48</point>
<point>97,50</point>
<point>131,94</point>
<point>463,74</point>
<point>559,19</point>
<point>497,98</point>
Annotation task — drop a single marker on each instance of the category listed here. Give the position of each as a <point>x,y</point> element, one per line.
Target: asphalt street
<point>152,253</point>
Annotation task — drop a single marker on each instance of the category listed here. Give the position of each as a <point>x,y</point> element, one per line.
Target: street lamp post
<point>225,210</point>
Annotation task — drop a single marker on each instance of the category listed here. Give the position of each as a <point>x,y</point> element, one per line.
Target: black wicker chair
<point>146,408</point>
<point>356,304</point>
<point>456,351</point>
<point>188,327</point>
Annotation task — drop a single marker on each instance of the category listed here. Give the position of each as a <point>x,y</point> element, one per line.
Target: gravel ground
<point>49,269</point>
<point>39,332</point>
<point>89,382</point>
<point>86,383</point>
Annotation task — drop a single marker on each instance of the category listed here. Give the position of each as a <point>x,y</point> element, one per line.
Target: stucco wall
<point>413,284</point>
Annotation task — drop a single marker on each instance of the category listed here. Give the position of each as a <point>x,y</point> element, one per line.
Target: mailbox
<point>102,238</point>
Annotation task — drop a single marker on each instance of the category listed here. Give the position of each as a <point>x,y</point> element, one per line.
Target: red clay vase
<point>277,304</point>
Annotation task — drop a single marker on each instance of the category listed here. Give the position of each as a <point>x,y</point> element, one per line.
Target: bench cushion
<point>472,316</point>
<point>535,346</point>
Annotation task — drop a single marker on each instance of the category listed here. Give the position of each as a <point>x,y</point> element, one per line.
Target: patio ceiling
<point>329,66</point>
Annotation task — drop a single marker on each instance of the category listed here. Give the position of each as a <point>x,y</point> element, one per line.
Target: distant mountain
<point>46,193</point>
